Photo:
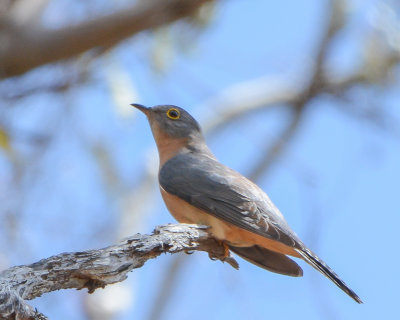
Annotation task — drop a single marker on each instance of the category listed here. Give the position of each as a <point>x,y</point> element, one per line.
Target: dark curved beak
<point>141,107</point>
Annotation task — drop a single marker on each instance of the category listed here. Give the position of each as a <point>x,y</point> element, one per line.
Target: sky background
<point>337,184</point>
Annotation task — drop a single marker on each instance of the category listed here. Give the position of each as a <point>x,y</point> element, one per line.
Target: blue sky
<point>337,184</point>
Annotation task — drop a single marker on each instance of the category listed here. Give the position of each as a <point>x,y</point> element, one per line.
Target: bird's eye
<point>173,114</point>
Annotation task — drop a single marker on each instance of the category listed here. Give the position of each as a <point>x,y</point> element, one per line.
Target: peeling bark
<point>93,269</point>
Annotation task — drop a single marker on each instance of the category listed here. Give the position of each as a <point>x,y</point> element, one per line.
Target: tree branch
<point>95,269</point>
<point>24,48</point>
<point>25,12</point>
<point>273,152</point>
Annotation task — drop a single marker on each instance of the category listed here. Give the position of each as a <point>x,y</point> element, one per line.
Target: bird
<point>198,189</point>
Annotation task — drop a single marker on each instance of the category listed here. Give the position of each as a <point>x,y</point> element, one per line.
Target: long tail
<point>313,260</point>
<point>269,260</point>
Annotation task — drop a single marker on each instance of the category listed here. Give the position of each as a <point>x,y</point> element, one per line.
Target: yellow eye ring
<point>173,114</point>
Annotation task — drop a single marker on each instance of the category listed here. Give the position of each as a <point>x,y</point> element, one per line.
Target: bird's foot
<point>225,255</point>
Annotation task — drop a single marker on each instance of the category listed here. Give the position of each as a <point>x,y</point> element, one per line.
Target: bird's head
<point>174,131</point>
<point>170,121</point>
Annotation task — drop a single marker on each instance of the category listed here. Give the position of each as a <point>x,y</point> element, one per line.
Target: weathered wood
<point>95,269</point>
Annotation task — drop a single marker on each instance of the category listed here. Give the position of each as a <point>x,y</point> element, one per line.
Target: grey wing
<point>209,185</point>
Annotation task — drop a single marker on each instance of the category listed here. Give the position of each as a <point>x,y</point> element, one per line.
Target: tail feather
<point>313,260</point>
<point>269,260</point>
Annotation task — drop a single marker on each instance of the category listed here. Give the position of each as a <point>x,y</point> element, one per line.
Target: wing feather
<point>209,185</point>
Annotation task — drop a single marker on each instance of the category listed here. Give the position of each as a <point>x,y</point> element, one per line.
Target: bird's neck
<point>169,147</point>
<point>198,145</point>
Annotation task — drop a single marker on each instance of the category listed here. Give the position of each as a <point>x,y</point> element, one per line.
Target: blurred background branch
<point>27,45</point>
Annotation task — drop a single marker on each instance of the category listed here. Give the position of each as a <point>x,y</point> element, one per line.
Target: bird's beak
<point>142,108</point>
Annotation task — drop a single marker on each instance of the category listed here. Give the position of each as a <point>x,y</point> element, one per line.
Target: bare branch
<point>249,96</point>
<point>272,152</point>
<point>25,48</point>
<point>314,88</point>
<point>95,269</point>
